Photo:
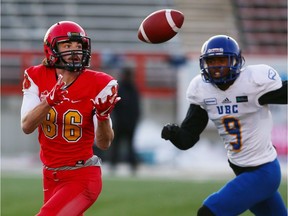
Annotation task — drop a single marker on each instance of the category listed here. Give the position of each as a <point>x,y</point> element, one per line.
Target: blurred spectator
<point>125,119</point>
<point>177,60</point>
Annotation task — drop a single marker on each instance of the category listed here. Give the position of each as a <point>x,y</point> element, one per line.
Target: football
<point>160,26</point>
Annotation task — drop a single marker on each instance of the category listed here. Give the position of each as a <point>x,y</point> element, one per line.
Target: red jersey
<point>67,134</point>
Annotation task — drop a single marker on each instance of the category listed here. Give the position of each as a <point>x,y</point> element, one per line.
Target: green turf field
<point>120,196</point>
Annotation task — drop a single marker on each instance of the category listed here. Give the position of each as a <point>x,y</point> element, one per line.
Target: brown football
<point>160,26</point>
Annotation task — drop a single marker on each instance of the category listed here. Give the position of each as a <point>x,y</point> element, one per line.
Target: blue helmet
<point>218,46</point>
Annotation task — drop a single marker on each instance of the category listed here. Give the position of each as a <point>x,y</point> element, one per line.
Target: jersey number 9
<point>233,127</point>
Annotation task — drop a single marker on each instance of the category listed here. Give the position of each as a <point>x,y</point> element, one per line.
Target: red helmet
<point>66,31</point>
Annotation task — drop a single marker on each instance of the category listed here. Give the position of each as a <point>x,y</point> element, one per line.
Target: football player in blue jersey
<point>236,99</point>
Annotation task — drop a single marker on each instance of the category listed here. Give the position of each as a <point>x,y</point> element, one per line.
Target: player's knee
<point>204,211</point>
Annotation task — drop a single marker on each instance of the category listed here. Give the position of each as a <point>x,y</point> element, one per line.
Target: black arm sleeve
<point>278,96</point>
<point>192,126</point>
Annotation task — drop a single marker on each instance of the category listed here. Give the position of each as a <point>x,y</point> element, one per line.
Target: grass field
<point>120,197</point>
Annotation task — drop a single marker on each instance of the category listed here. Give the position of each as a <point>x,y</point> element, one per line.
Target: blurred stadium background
<point>163,71</point>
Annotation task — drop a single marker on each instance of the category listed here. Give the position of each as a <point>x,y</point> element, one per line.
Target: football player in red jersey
<point>70,105</point>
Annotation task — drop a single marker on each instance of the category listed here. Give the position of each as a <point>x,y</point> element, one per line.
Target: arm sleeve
<point>278,96</point>
<point>192,126</point>
<point>30,97</point>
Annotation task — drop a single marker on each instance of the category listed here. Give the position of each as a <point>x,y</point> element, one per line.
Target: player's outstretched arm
<point>103,109</point>
<point>34,117</point>
<point>278,96</point>
<point>188,134</point>
<point>104,134</point>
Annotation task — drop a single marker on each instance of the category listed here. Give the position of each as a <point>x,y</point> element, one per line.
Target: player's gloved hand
<point>104,108</point>
<point>57,94</point>
<point>169,131</point>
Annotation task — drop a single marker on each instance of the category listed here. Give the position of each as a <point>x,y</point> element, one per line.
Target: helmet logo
<point>213,50</point>
<point>73,34</point>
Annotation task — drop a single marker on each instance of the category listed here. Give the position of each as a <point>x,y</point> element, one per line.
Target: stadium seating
<point>263,25</point>
<point>111,24</point>
<point>260,26</point>
<point>204,19</point>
